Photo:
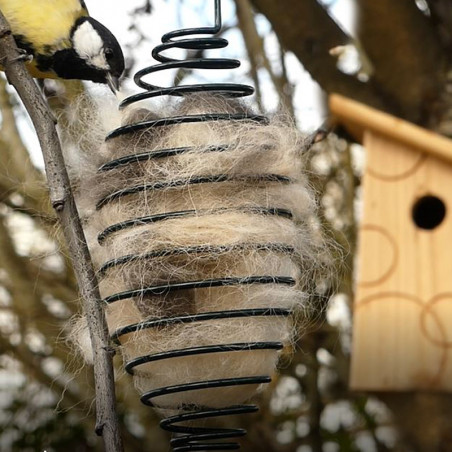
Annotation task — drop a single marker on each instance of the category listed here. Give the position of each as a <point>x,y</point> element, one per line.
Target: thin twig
<point>257,56</point>
<point>62,201</point>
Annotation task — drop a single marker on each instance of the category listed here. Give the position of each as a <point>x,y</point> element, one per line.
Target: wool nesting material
<point>236,207</point>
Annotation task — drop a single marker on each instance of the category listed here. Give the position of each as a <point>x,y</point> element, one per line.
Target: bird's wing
<point>43,25</point>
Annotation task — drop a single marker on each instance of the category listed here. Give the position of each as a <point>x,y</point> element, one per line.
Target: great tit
<point>63,41</point>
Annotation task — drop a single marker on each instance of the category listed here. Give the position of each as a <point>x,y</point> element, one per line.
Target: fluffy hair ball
<point>199,203</point>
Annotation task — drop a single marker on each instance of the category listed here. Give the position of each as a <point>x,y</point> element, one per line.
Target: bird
<point>59,39</point>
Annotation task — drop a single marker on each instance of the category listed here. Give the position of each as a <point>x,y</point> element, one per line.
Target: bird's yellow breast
<point>43,23</point>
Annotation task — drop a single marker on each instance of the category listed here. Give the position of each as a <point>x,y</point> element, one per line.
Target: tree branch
<point>410,72</point>
<point>258,58</point>
<point>62,201</point>
<point>306,29</point>
<point>441,17</point>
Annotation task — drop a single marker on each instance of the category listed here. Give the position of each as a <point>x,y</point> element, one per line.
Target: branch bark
<point>62,201</point>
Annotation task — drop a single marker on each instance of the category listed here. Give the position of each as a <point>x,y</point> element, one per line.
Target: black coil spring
<point>189,438</point>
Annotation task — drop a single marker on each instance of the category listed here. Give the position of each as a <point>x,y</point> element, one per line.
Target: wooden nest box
<point>402,334</point>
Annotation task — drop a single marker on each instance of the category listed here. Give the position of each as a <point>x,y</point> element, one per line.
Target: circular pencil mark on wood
<point>428,212</point>
<point>439,307</point>
<point>402,343</point>
<point>398,168</point>
<point>378,242</point>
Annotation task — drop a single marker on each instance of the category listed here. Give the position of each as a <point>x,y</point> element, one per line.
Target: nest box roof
<point>357,118</point>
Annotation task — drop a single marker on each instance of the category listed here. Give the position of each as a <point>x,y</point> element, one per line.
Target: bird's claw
<point>23,56</point>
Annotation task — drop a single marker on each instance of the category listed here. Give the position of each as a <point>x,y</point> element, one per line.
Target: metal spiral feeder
<point>191,437</point>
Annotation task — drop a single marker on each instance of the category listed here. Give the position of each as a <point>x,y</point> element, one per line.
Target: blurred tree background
<point>399,59</point>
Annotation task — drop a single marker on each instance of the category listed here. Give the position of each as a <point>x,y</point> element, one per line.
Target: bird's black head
<point>95,55</point>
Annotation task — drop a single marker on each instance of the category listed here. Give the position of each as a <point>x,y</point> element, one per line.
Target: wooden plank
<point>357,116</point>
<point>402,337</point>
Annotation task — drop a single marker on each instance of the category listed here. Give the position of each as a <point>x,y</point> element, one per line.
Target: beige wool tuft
<point>251,215</point>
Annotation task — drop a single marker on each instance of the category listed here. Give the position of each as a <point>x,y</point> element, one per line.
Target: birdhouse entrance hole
<point>428,212</point>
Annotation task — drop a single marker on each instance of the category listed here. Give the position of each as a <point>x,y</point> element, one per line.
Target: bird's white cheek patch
<point>89,46</point>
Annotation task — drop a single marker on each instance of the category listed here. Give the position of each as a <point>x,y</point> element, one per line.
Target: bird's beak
<point>113,82</point>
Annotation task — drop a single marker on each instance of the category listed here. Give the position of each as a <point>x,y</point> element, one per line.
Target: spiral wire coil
<point>189,438</point>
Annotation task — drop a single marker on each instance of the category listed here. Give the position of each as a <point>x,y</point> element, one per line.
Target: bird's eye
<point>109,53</point>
